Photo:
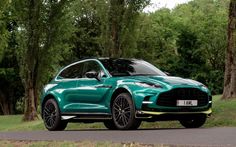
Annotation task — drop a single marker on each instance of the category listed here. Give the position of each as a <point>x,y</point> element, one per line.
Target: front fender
<point>137,93</point>
<point>54,95</point>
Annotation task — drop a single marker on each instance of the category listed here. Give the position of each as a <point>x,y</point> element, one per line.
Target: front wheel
<point>52,117</point>
<point>109,124</point>
<point>194,122</point>
<point>123,112</point>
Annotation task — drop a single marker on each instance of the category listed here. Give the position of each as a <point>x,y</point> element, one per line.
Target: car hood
<point>167,80</point>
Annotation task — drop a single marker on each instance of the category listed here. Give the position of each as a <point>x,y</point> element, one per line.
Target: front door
<point>91,92</point>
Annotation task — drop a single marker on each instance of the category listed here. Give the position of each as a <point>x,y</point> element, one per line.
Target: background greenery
<point>188,41</point>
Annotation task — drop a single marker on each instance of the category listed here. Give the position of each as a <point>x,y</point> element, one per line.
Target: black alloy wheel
<point>51,116</point>
<point>123,112</point>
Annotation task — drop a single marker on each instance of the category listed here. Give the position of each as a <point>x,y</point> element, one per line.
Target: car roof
<point>108,58</point>
<point>105,58</point>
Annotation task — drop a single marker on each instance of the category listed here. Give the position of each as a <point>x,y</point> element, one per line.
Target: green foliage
<point>120,28</point>
<point>188,41</point>
<point>19,106</point>
<point>87,25</point>
<point>102,27</point>
<point>129,29</point>
<point>209,22</point>
<point>11,88</point>
<point>156,38</point>
<point>54,29</point>
<point>57,28</point>
<point>4,6</point>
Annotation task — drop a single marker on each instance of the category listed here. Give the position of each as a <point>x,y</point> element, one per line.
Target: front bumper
<point>165,116</point>
<point>162,104</point>
<point>207,112</point>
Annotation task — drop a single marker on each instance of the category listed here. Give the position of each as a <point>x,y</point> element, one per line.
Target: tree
<point>45,30</point>
<point>164,39</point>
<point>36,37</point>
<point>230,65</point>
<point>11,89</point>
<point>106,27</point>
<point>122,18</point>
<point>30,60</point>
<point>85,40</point>
<point>4,4</point>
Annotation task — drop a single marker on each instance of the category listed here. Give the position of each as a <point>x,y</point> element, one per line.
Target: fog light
<point>147,102</point>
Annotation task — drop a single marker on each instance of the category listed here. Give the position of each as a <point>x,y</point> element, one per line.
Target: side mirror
<point>92,74</point>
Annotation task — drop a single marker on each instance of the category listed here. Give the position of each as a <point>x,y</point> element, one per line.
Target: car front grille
<point>170,98</point>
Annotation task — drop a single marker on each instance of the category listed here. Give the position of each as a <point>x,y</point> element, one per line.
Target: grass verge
<point>224,115</point>
<point>7,143</point>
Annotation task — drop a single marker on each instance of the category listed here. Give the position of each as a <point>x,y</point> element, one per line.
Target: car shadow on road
<point>141,129</point>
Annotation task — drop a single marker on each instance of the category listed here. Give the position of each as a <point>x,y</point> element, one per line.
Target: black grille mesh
<point>170,98</point>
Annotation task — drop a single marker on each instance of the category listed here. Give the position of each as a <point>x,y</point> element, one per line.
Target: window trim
<point>78,62</point>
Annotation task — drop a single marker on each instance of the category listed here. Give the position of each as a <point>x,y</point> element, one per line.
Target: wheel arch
<point>119,91</point>
<point>47,97</point>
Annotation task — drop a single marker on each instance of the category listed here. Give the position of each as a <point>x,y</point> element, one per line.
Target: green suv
<point>122,93</point>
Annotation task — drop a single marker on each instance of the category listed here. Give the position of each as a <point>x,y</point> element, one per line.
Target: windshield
<point>132,67</point>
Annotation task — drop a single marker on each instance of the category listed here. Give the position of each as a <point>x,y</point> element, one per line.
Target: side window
<point>74,71</point>
<point>92,66</point>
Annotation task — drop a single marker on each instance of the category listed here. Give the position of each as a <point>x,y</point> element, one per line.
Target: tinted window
<point>91,66</point>
<point>74,71</point>
<point>125,67</point>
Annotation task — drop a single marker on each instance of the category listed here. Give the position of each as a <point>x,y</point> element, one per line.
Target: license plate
<point>186,102</point>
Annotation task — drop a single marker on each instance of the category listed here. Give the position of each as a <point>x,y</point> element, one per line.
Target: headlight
<point>49,86</point>
<point>148,85</point>
<point>204,87</point>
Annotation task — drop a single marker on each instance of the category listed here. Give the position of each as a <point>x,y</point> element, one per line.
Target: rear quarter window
<point>71,72</point>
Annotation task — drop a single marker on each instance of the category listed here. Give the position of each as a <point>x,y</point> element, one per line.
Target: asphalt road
<point>190,137</point>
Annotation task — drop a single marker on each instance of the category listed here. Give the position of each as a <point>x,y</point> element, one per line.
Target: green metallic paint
<point>91,95</point>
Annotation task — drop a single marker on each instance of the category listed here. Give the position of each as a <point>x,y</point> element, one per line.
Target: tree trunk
<point>31,60</point>
<point>30,108</point>
<point>230,66</point>
<point>4,105</point>
<point>117,9</point>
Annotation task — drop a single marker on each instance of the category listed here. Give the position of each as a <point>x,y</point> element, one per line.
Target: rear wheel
<point>52,117</point>
<point>194,122</point>
<point>123,112</point>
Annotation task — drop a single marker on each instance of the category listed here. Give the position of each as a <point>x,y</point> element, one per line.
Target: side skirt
<point>85,117</point>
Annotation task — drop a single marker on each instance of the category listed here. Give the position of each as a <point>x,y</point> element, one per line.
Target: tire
<point>136,125</point>
<point>123,113</point>
<point>194,122</point>
<point>109,124</point>
<point>52,116</point>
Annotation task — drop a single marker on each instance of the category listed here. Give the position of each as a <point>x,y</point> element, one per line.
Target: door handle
<point>103,86</point>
